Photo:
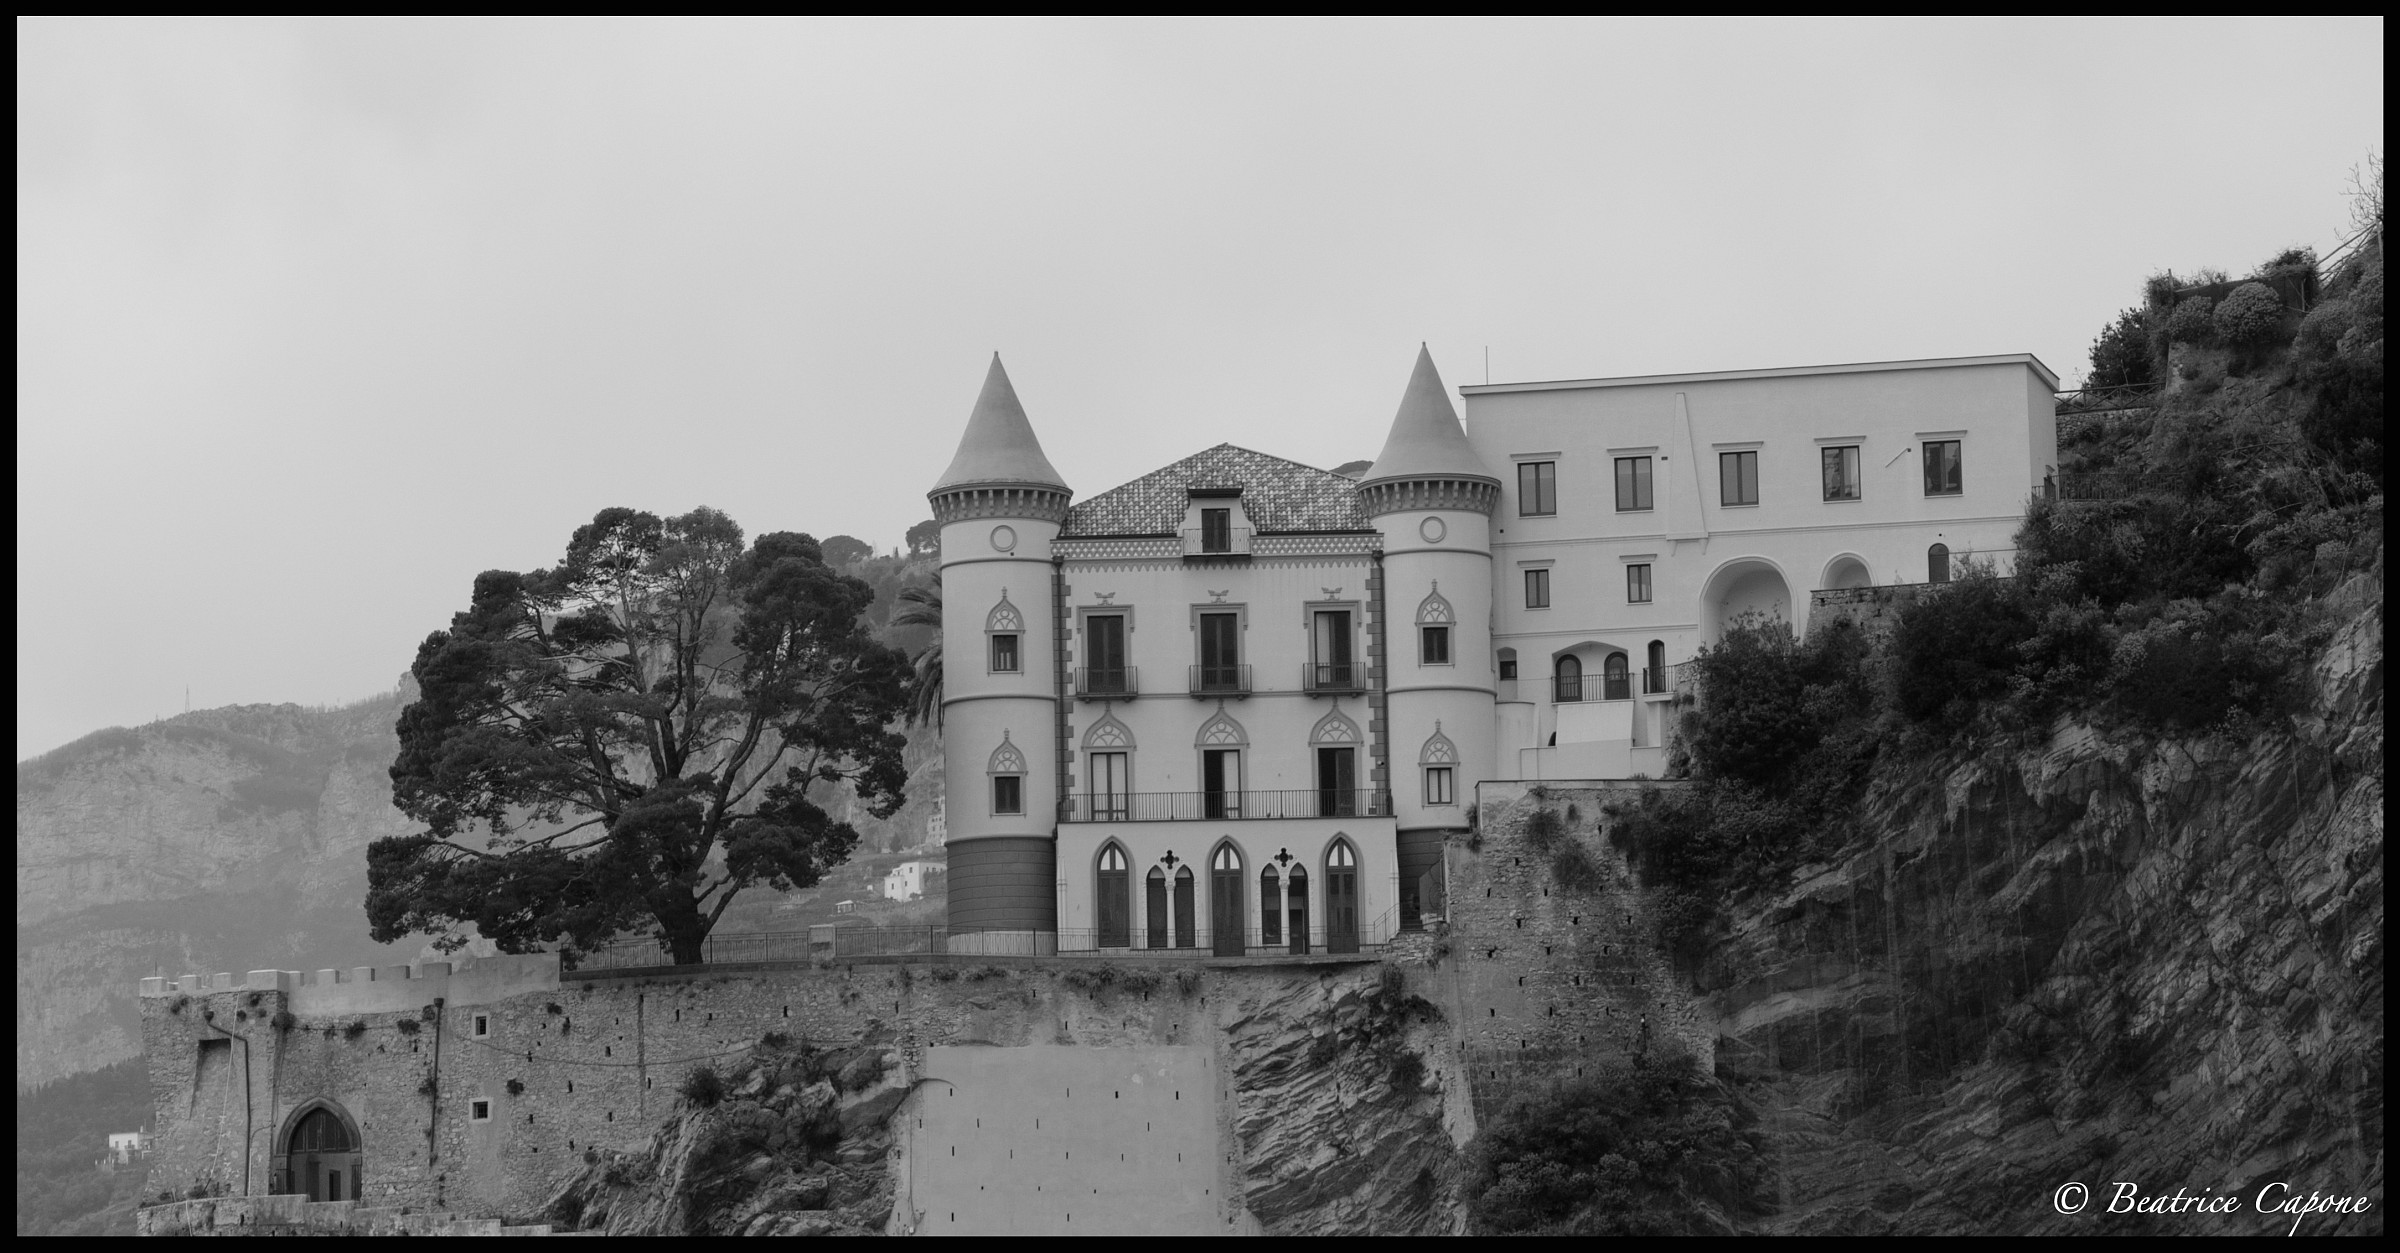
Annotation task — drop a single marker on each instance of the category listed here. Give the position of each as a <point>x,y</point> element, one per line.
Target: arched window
<point>1295,906</point>
<point>1113,907</point>
<point>1185,915</point>
<point>1434,619</point>
<point>1937,564</point>
<point>1007,770</point>
<point>1221,741</point>
<point>1439,760</point>
<point>1654,672</point>
<point>1341,898</point>
<point>1005,627</point>
<point>1154,907</point>
<point>1508,665</point>
<point>1270,906</point>
<point>1336,740</point>
<point>1567,678</point>
<point>1108,758</point>
<point>1615,685</point>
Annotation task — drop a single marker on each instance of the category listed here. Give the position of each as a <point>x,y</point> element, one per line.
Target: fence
<point>835,942</point>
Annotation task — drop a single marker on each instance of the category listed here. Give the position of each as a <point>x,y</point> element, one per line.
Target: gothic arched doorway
<point>1225,901</point>
<point>1341,899</point>
<point>1114,906</point>
<point>320,1154</point>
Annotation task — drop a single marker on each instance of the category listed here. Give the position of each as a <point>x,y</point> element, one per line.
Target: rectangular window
<point>1104,655</point>
<point>1841,472</point>
<point>1637,584</point>
<point>1537,489</point>
<point>1112,787</point>
<point>1436,649</point>
<point>1508,667</point>
<point>1220,652</point>
<point>1737,478</point>
<point>1216,530</point>
<point>1633,484</point>
<point>1438,786</point>
<point>1004,654</point>
<point>1943,476</point>
<point>483,1026</point>
<point>1221,783</point>
<point>1008,794</point>
<point>1330,666</point>
<point>479,1111</point>
<point>1537,589</point>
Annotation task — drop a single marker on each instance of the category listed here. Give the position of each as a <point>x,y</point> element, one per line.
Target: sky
<point>316,320</point>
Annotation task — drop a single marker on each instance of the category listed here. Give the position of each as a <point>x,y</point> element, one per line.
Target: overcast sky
<point>316,320</point>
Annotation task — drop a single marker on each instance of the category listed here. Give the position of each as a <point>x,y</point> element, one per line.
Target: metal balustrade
<point>1334,676</point>
<point>1226,805</point>
<point>1566,690</point>
<point>1093,683</point>
<point>1654,680</point>
<point>1230,541</point>
<point>1220,680</point>
<point>835,942</point>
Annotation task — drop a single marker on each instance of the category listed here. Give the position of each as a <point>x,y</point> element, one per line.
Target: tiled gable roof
<point>1278,495</point>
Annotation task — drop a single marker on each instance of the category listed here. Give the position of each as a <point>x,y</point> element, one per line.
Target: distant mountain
<point>230,839</point>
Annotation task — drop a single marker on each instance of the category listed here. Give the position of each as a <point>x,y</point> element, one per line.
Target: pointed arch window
<point>1226,915</point>
<point>1004,626</point>
<point>1007,771</point>
<point>1439,760</point>
<point>1341,898</point>
<point>1335,740</point>
<point>1221,741</point>
<point>1108,761</point>
<point>1434,621</point>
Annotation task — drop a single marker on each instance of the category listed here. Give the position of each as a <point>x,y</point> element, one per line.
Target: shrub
<point>702,1086</point>
<point>1542,830</point>
<point>1766,700</point>
<point>516,1087</point>
<point>1140,982</point>
<point>1956,646</point>
<point>2248,317</point>
<point>1187,981</point>
<point>357,1028</point>
<point>945,974</point>
<point>284,1020</point>
<point>554,1009</point>
<point>1575,869</point>
<point>774,1039</point>
<point>1408,1071</point>
<point>981,973</point>
<point>2190,323</point>
<point>408,1026</point>
<point>2121,356</point>
<point>1635,1151</point>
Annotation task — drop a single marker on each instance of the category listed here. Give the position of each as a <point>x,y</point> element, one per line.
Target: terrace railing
<point>1228,805</point>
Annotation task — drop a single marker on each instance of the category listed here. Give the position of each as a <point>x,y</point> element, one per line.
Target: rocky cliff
<point>2106,958</point>
<point>222,839</point>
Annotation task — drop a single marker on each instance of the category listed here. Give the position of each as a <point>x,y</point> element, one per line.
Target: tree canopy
<point>635,736</point>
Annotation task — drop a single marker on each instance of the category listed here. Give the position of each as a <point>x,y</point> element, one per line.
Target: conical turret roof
<point>1426,439</point>
<point>999,446</point>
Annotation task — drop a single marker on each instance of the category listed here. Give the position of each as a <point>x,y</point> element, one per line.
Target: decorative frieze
<point>1470,495</point>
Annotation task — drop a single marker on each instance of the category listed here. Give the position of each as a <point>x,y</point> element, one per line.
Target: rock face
<point>2108,959</point>
<point>204,842</point>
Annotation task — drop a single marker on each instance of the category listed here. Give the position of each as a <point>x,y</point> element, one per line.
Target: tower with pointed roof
<point>1431,497</point>
<point>1000,505</point>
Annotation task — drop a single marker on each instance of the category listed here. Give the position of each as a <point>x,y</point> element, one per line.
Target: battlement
<point>366,989</point>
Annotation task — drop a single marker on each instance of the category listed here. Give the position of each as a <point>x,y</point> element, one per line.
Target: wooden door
<point>1225,914</point>
<point>1341,901</point>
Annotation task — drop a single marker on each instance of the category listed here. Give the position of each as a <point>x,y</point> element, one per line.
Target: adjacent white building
<point>909,880</point>
<point>1237,703</point>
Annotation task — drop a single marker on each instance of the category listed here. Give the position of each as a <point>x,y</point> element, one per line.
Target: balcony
<point>1654,680</point>
<point>1590,687</point>
<point>1220,681</point>
<point>1216,541</point>
<point>1226,806</point>
<point>1333,677</point>
<point>1111,683</point>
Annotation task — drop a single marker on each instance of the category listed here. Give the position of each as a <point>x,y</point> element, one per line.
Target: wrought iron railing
<point>1226,805</point>
<point>1108,683</point>
<point>1567,689</point>
<point>1202,541</point>
<point>1334,676</point>
<point>834,942</point>
<point>1220,680</point>
<point>1654,680</point>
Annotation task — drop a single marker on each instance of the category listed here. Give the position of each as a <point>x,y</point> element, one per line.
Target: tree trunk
<point>685,930</point>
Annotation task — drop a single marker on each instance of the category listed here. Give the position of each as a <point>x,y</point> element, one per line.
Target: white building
<point>909,880</point>
<point>1237,703</point>
<point>123,1146</point>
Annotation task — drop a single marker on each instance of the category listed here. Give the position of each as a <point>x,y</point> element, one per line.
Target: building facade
<point>1236,704</point>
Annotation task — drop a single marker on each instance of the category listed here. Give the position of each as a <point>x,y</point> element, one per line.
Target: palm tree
<point>922,606</point>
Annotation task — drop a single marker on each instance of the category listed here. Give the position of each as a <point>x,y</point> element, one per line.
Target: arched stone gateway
<point>319,1155</point>
<point>1743,588</point>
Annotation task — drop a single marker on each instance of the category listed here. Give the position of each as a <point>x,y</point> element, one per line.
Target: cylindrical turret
<point>1000,505</point>
<point>1432,498</point>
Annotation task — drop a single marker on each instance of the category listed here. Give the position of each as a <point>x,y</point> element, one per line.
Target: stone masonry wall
<point>1545,980</point>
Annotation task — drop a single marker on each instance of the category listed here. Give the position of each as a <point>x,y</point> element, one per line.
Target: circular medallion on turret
<point>1004,539</point>
<point>1433,529</point>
